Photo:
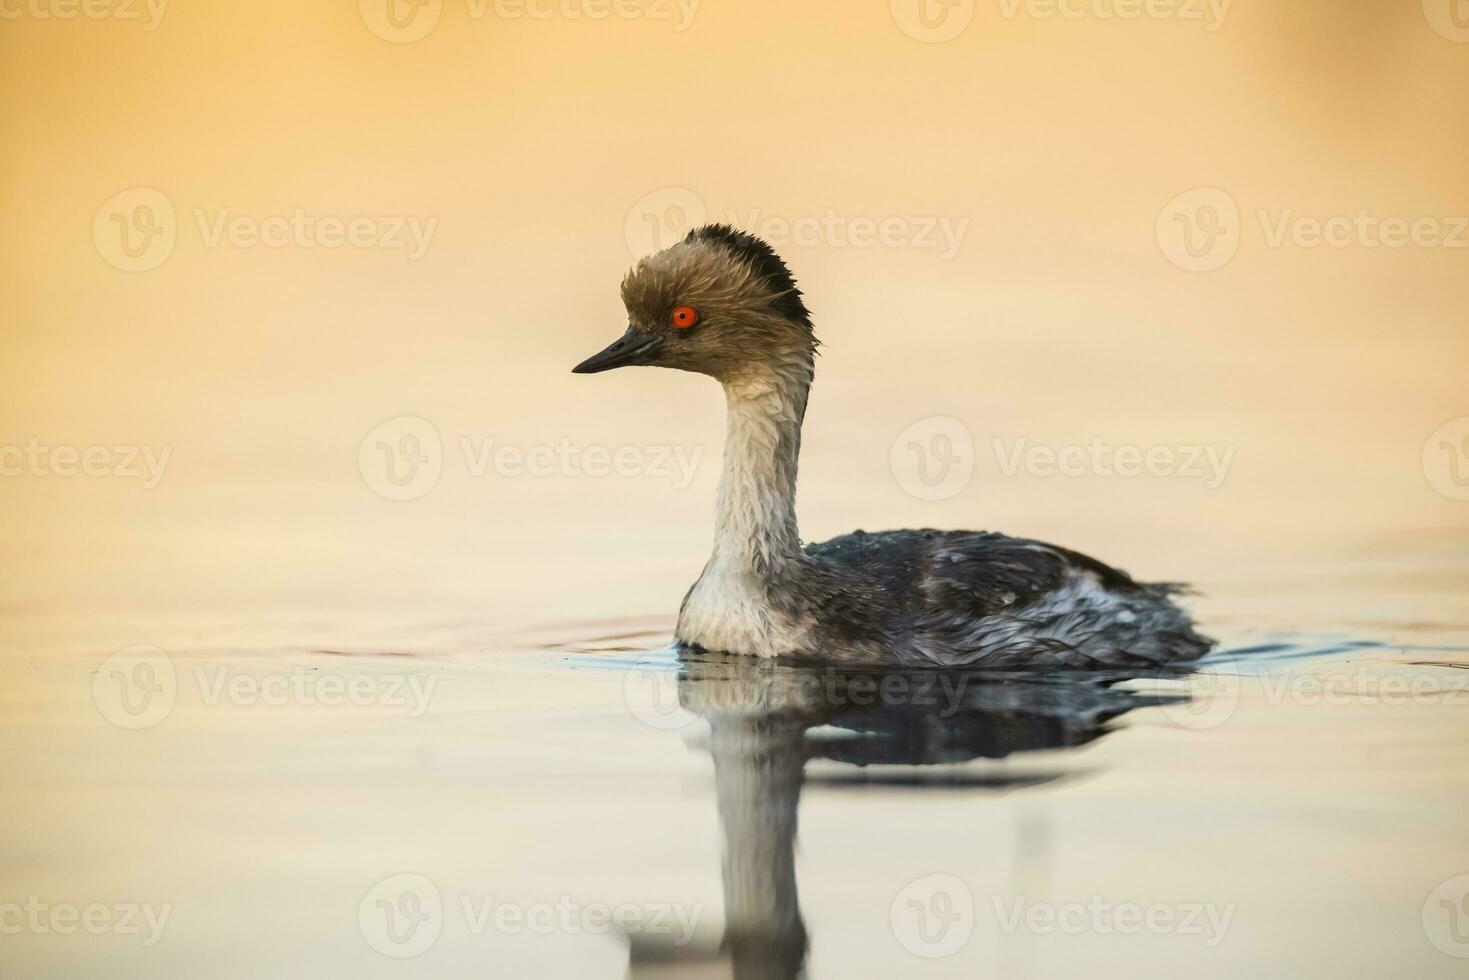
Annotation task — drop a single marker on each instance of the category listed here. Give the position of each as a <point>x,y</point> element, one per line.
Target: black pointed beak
<point>633,347</point>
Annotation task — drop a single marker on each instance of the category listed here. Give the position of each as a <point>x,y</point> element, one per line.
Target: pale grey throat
<point>756,536</point>
<point>755,511</point>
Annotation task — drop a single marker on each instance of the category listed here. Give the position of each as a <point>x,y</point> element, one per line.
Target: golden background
<point>533,143</point>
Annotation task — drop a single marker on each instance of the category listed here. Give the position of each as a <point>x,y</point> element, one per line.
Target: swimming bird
<point>722,303</point>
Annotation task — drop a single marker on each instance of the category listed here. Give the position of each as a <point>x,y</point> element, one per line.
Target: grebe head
<point>720,302</point>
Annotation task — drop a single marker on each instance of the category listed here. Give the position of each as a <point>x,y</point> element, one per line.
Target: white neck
<point>755,532</point>
<point>755,517</point>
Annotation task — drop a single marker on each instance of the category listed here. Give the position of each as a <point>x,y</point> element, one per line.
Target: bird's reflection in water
<point>912,730</point>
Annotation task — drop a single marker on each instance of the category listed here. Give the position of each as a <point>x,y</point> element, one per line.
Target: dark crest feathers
<point>765,262</point>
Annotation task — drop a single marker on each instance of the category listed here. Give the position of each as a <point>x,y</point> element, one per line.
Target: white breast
<point>725,611</point>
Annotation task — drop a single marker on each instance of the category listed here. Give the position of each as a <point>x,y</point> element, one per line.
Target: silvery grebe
<point>721,302</point>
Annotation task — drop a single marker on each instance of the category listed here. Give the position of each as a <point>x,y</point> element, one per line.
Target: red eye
<point>685,317</point>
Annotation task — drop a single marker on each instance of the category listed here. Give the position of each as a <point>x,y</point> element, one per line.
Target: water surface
<point>574,799</point>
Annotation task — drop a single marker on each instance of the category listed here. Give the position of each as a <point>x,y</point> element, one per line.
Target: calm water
<point>573,800</point>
